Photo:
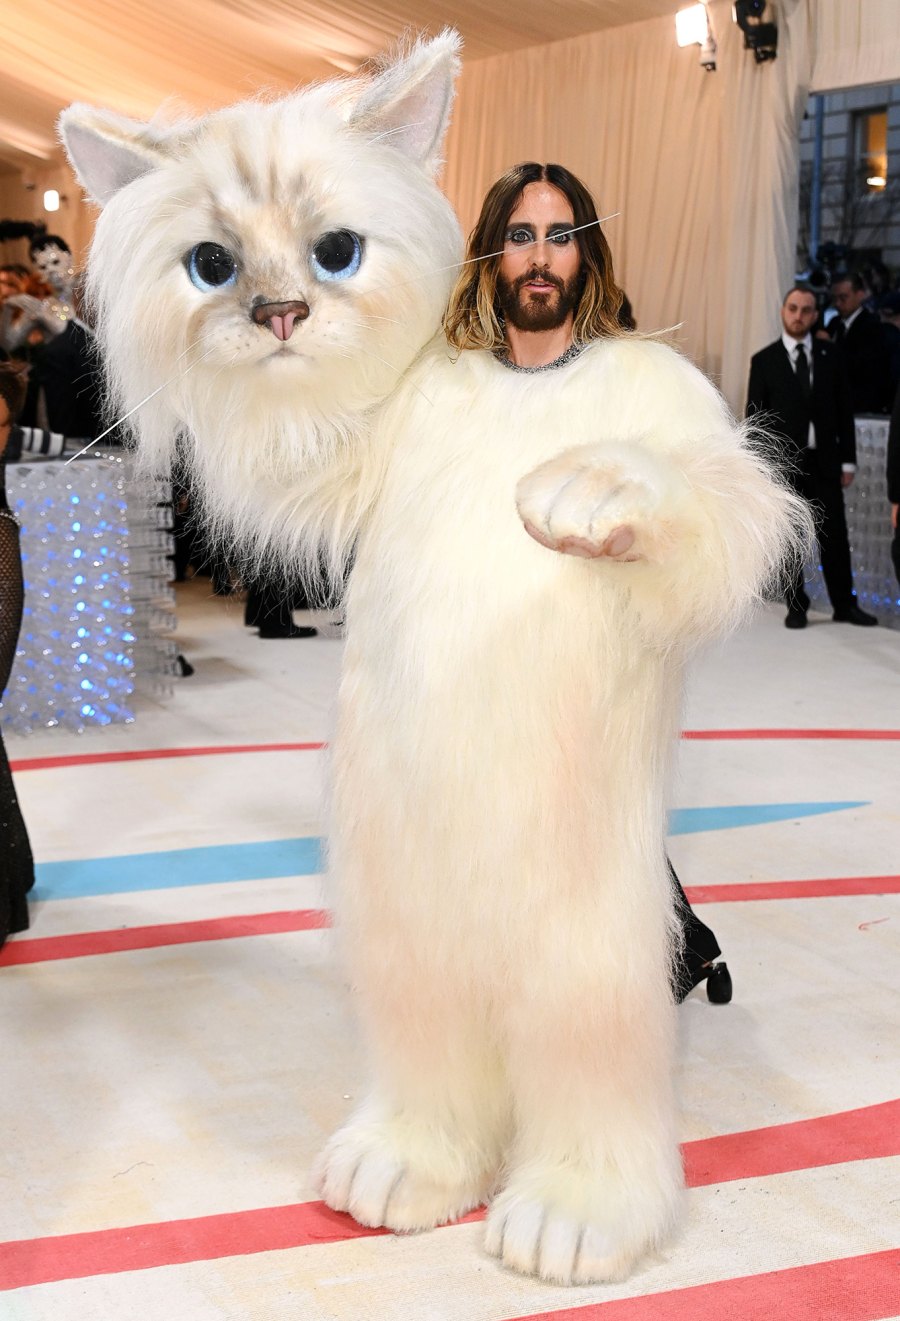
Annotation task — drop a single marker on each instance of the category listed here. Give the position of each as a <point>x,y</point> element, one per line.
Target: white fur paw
<point>535,1238</point>
<point>587,504</point>
<point>363,1172</point>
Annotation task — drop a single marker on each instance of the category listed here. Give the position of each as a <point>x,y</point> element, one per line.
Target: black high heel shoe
<point>718,983</point>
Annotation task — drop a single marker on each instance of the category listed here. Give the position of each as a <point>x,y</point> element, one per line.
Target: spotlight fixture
<point>693,28</point>
<point>760,37</point>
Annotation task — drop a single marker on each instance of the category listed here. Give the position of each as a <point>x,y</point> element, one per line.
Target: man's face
<point>845,298</point>
<point>798,314</point>
<point>539,279</point>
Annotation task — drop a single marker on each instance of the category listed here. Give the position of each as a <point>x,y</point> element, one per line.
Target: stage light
<point>691,26</point>
<point>877,181</point>
<point>51,200</point>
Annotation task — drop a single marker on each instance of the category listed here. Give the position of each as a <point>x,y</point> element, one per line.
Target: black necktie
<point>802,368</point>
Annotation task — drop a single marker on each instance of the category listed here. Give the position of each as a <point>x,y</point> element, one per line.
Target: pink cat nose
<point>280,317</point>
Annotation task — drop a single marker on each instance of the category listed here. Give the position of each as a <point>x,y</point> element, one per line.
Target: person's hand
<point>26,303</point>
<point>617,503</point>
<point>847,478</point>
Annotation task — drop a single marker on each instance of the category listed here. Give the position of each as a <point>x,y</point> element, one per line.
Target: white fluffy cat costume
<point>507,713</point>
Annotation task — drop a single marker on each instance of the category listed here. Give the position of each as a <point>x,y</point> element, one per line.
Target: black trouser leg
<point>834,544</point>
<point>268,607</point>
<point>795,595</point>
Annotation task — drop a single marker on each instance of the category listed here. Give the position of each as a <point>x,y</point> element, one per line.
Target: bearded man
<point>536,307</point>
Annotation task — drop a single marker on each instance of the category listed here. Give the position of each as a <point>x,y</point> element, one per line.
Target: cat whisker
<point>392,132</point>
<point>373,316</point>
<point>145,400</point>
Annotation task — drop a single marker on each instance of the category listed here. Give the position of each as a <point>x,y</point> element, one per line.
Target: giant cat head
<point>274,267</point>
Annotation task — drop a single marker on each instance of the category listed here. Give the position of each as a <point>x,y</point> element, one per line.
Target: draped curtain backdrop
<point>700,167</point>
<point>856,42</point>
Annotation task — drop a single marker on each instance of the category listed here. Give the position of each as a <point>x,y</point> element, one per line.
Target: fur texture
<point>507,712</point>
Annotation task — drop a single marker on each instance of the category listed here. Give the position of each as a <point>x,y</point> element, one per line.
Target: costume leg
<point>595,1173</point>
<point>426,1145</point>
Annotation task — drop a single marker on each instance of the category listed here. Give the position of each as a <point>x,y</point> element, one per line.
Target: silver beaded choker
<point>571,353</point>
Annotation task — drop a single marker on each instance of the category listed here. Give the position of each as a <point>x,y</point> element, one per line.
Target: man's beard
<point>538,311</point>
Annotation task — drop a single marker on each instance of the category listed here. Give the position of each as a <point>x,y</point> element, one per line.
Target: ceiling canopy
<point>132,56</point>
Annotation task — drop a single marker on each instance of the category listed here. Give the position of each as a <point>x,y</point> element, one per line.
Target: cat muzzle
<point>280,317</point>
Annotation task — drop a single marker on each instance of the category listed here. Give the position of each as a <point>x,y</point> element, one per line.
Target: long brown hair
<point>472,320</point>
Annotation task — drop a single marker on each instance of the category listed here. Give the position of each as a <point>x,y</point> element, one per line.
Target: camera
<point>761,38</point>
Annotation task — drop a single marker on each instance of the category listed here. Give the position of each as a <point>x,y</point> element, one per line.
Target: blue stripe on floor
<point>178,867</point>
<point>692,820</point>
<point>270,859</point>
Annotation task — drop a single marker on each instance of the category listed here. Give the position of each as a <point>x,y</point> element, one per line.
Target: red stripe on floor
<point>862,734</point>
<point>866,1134</point>
<point>850,1289</point>
<point>84,943</point>
<point>827,888</point>
<point>833,1139</point>
<point>156,754</point>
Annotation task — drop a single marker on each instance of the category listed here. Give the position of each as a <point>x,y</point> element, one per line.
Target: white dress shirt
<point>792,345</point>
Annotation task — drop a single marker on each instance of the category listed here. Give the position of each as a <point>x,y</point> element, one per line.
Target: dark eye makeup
<point>519,235</point>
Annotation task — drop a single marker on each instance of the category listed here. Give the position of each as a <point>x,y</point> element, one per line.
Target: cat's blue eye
<point>210,266</point>
<point>337,256</point>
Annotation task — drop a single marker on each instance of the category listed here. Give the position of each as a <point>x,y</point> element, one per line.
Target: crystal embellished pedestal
<point>98,604</point>
<point>869,527</point>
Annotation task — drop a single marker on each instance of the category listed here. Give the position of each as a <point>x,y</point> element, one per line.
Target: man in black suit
<point>861,336</point>
<point>800,384</point>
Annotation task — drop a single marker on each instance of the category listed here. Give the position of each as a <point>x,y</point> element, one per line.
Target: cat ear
<point>409,101</point>
<point>107,151</point>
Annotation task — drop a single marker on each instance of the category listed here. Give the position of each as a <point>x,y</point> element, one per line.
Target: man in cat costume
<point>535,557</point>
<point>542,219</point>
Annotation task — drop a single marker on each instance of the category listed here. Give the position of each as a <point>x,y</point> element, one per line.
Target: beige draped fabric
<point>131,55</point>
<point>764,107</point>
<point>856,42</point>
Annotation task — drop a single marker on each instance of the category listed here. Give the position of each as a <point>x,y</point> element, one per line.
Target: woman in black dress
<point>16,863</point>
